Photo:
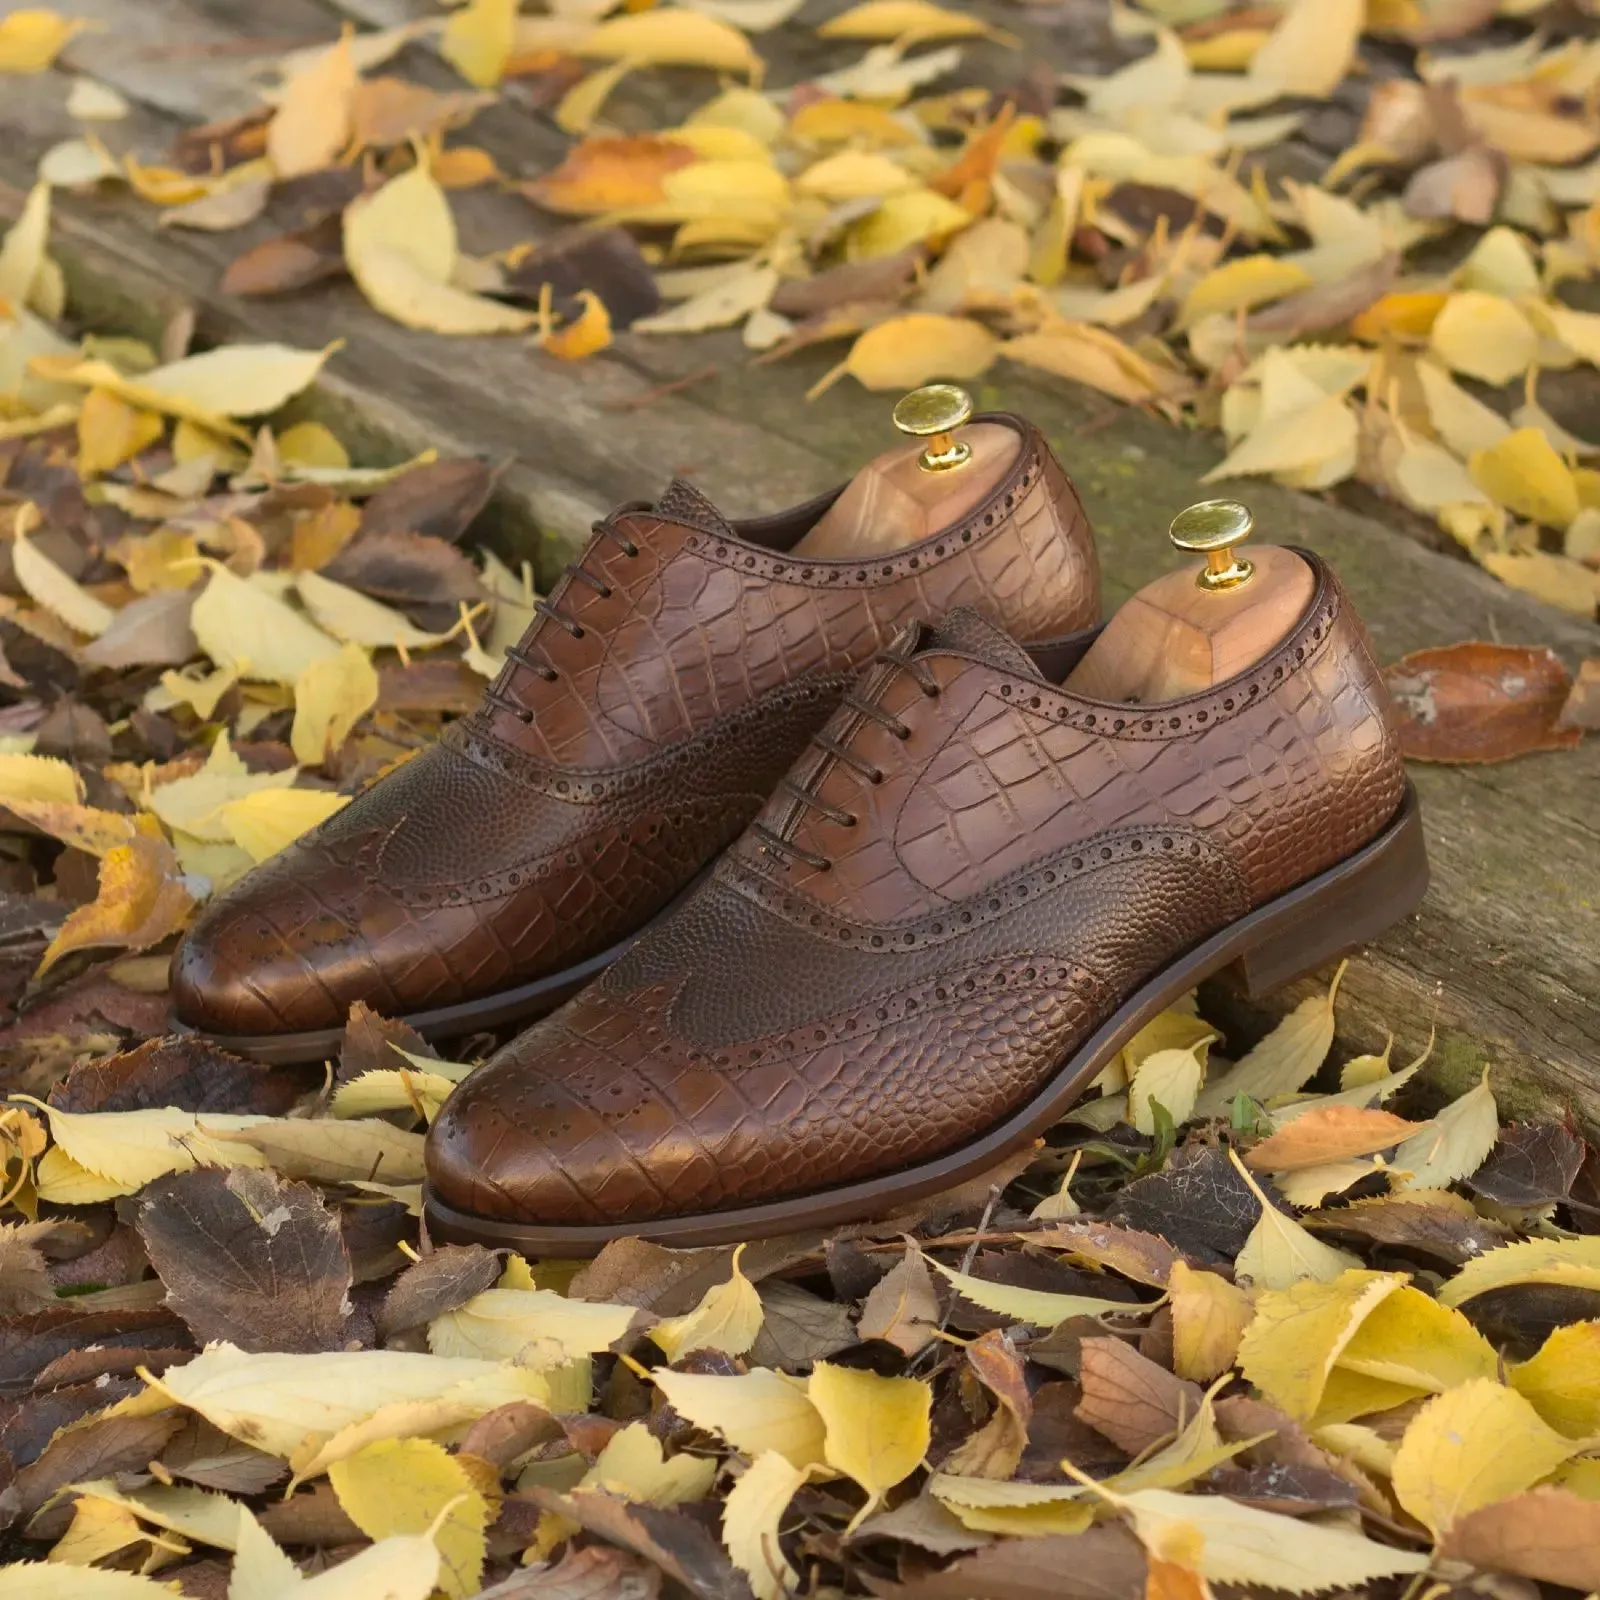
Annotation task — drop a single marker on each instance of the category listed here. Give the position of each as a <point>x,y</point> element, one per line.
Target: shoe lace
<point>804,795</point>
<point>526,653</point>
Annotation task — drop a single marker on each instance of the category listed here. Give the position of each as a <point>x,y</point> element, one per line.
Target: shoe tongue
<point>684,503</point>
<point>971,633</point>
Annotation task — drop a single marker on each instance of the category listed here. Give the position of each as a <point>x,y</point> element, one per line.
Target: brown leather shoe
<point>972,891</point>
<point>672,678</point>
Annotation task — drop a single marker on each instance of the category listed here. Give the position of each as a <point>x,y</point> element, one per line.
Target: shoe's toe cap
<point>284,951</point>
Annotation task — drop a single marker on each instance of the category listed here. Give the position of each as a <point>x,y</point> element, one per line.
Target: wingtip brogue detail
<point>666,685</point>
<point>970,890</point>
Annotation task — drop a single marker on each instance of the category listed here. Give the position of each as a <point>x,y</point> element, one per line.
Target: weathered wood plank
<point>1505,957</point>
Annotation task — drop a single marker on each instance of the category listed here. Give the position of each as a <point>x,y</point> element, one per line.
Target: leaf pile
<point>1128,231</point>
<point>211,634</point>
<point>1220,1328</point>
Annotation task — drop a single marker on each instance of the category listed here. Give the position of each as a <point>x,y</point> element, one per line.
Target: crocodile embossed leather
<point>668,683</point>
<point>968,894</point>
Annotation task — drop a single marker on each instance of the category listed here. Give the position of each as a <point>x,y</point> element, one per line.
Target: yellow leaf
<point>1578,330</point>
<point>728,300</point>
<point>1017,1509</point>
<point>1476,1444</point>
<point>1484,336</point>
<point>401,1486</point>
<point>533,1327</point>
<point>1242,285</point>
<point>903,220</point>
<point>1454,1145</point>
<point>50,1580</point>
<point>1557,580</point>
<point>478,40</point>
<point>91,101</point>
<point>1562,1382</point>
<point>201,691</point>
<point>727,1319</point>
<point>583,102</point>
<point>30,40</point>
<point>356,619</point>
<point>878,1429</point>
<point>634,1465</point>
<point>1312,47</point>
<point>1209,1317</point>
<point>1406,314</point>
<point>330,698</point>
<point>381,1090</point>
<point>1038,1306</point>
<point>1313,447</point>
<point>1565,1261</point>
<point>234,380</point>
<point>309,444</point>
<point>1286,1059</point>
<point>267,821</point>
<point>907,351</point>
<point>1464,422</point>
<point>192,1513</point>
<point>1413,1340</point>
<point>39,780</point>
<point>193,803</point>
<point>110,432</point>
<point>672,38</point>
<point>1169,1078</point>
<point>1500,263</point>
<point>1279,1252</point>
<point>588,332</point>
<point>43,581</point>
<point>242,624</point>
<point>141,900</point>
<point>853,175</point>
<point>400,245</point>
<point>757,1411</point>
<point>1227,1542</point>
<point>895,19</point>
<point>311,126</point>
<point>166,559</point>
<point>752,1515</point>
<point>1290,1349</point>
<point>290,1405</point>
<point>1096,357</point>
<point>1525,475</point>
<point>133,1148</point>
<point>22,255</point>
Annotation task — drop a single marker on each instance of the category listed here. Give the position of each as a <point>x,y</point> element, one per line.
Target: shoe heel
<point>1347,906</point>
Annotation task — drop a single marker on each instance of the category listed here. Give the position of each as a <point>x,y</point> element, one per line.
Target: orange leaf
<point>1329,1133</point>
<point>609,174</point>
<point>142,900</point>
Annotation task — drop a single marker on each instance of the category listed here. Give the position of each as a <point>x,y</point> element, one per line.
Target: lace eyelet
<point>525,716</point>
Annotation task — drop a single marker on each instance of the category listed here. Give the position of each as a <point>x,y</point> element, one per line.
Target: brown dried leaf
<point>183,1071</point>
<point>593,1573</point>
<point>290,261</point>
<point>1197,1202</point>
<point>152,631</point>
<point>1106,1563</point>
<point>407,569</point>
<point>100,1449</point>
<point>1480,702</point>
<point>441,1281</point>
<point>605,261</point>
<point>249,1258</point>
<point>439,499</point>
<point>903,1307</point>
<point>1582,708</point>
<point>1533,1164</point>
<point>1128,1398</point>
<point>369,1041</point>
<point>1546,1534</point>
<point>996,1449</point>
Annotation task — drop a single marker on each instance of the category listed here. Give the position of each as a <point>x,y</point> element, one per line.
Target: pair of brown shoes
<point>866,850</point>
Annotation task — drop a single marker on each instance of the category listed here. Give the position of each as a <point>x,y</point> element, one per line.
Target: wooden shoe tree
<point>1193,628</point>
<point>909,493</point>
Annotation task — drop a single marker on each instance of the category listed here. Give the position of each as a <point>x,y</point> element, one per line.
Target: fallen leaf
<point>905,352</point>
<point>400,245</point>
<point>1279,1252</point>
<point>244,625</point>
<point>610,173</point>
<point>1136,1403</point>
<point>877,1430</point>
<point>917,20</point>
<point>1523,473</point>
<point>533,1327</point>
<point>1285,1060</point>
<point>1311,48</point>
<point>1170,1079</point>
<point>479,39</point>
<point>1484,336</point>
<point>1328,1133</point>
<point>1546,1534</point>
<point>903,1307</point>
<point>1562,1380</point>
<point>270,820</point>
<point>1036,1306</point>
<point>1230,1543</point>
<point>754,1412</point>
<point>42,580</point>
<point>1209,1317</point>
<point>1468,1448</point>
<point>728,1319</point>
<point>312,123</point>
<point>1479,702</point>
<point>1455,1144</point>
<point>141,900</point>
<point>1533,1164</point>
<point>31,39</point>
<point>672,38</point>
<point>400,1486</point>
<point>330,698</point>
<point>751,1518</point>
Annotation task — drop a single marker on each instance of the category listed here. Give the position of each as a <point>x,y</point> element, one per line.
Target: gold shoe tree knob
<point>934,413</point>
<point>1212,528</point>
